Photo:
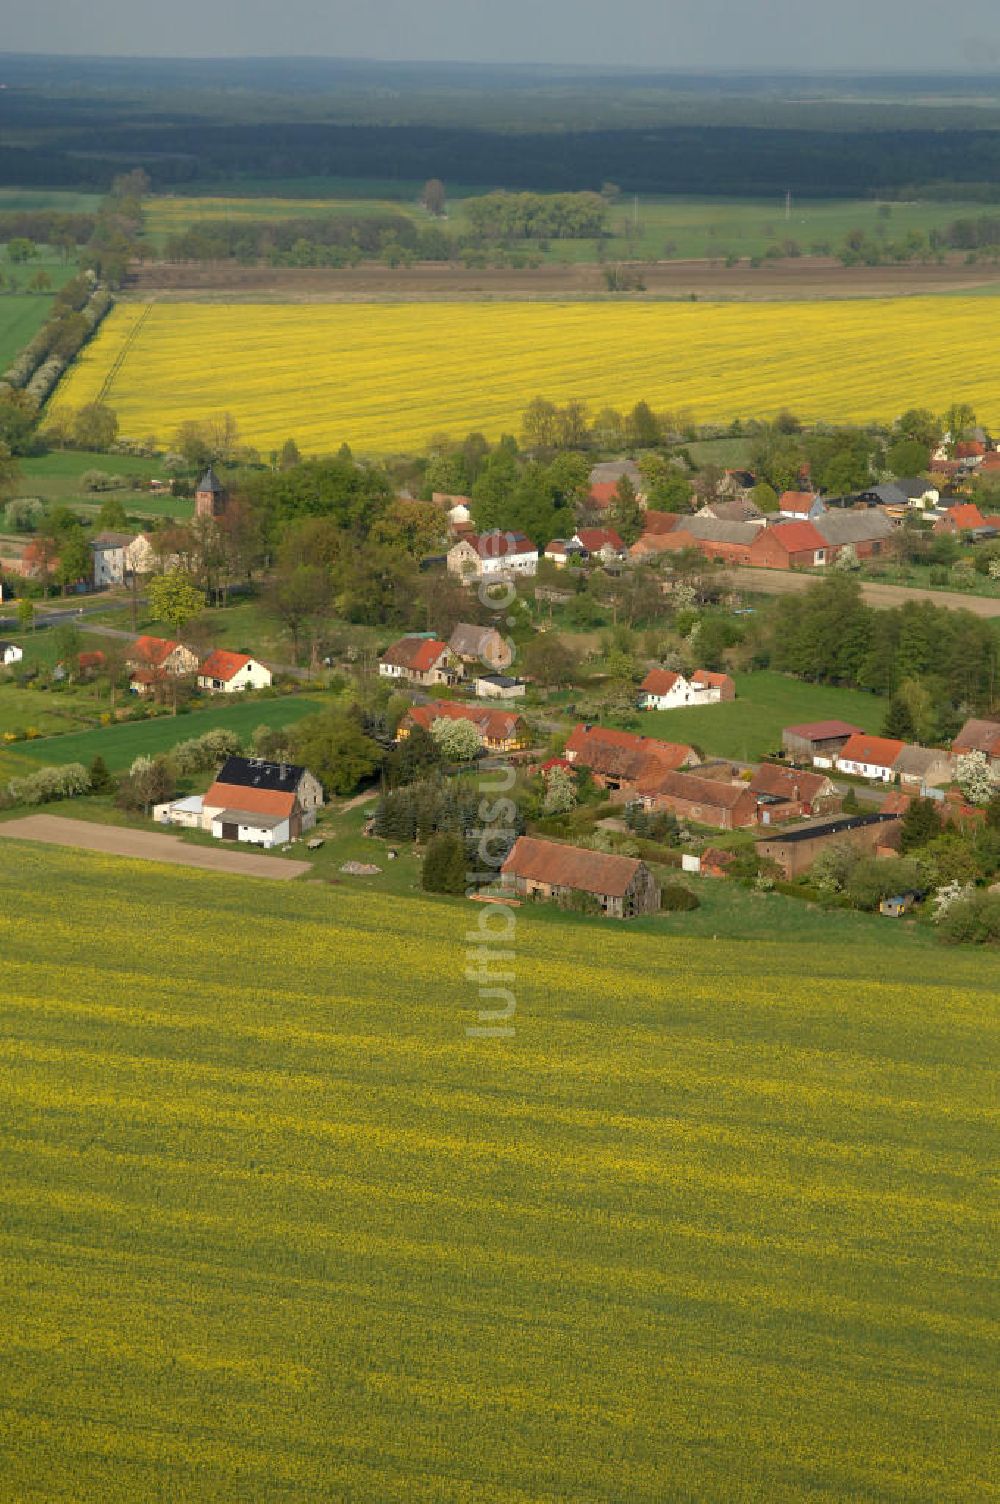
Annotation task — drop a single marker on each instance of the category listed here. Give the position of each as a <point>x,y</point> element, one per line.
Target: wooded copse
<point>344,239</point>
<point>46,226</point>
<point>77,312</point>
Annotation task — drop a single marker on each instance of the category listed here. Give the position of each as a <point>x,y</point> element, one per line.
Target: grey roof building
<point>715,530</point>
<point>610,472</point>
<point>840,528</point>
<point>732,511</point>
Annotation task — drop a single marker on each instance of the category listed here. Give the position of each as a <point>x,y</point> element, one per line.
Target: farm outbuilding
<point>623,886</point>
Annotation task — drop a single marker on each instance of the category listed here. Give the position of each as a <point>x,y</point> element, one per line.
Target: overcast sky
<point>810,34</point>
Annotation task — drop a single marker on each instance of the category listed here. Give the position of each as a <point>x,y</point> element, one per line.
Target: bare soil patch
<point>807,277</point>
<point>147,846</point>
<point>778,582</point>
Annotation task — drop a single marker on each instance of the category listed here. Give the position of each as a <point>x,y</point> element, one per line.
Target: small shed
<point>255,829</point>
<point>898,905</point>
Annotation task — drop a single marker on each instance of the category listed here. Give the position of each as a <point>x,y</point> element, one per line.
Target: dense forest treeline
<point>692,159</point>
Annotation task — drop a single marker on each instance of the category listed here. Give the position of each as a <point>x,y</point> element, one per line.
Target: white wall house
<point>232,673</point>
<point>420,660</point>
<point>662,689</point>
<point>188,812</point>
<point>110,553</point>
<point>871,757</point>
<point>10,653</point>
<point>493,555</point>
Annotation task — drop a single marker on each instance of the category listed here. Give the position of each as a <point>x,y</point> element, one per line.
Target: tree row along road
<point>781,582</point>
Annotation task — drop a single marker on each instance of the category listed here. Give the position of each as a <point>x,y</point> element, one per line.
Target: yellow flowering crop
<point>715,1224</point>
<point>386,377</point>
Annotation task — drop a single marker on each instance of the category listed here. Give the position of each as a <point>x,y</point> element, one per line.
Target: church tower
<point>211,496</point>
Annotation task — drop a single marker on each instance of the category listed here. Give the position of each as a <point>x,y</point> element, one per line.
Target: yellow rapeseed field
<point>715,1224</point>
<point>386,377</point>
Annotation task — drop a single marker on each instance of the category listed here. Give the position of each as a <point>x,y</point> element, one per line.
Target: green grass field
<point>682,228</point>
<point>658,228</point>
<point>23,313</point>
<point>750,726</point>
<point>65,201</point>
<point>714,1224</point>
<point>57,476</point>
<point>21,317</point>
<point>119,745</point>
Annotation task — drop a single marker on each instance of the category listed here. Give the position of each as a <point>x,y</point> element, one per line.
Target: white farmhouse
<point>662,689</point>
<point>494,555</point>
<point>230,673</point>
<point>872,757</point>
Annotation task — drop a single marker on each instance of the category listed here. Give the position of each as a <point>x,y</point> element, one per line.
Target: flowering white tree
<point>560,792</point>
<point>975,777</point>
<point>459,741</point>
<point>847,559</point>
<point>950,894</point>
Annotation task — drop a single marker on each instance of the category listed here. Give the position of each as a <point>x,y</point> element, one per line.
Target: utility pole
<point>788,205</point>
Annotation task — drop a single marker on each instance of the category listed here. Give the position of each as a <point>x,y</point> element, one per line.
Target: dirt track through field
<point>780,582</point>
<point>808,277</point>
<point>147,846</point>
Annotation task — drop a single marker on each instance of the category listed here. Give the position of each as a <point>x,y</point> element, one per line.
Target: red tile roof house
<point>872,757</point>
<point>231,673</point>
<point>600,542</point>
<point>494,555</point>
<point>458,508</point>
<point>420,660</point>
<point>562,551</point>
<point>786,793</point>
<point>154,659</point>
<point>960,519</point>
<point>706,801</point>
<point>800,505</point>
<point>817,742</point>
<point>661,542</point>
<point>500,730</point>
<point>618,759</point>
<point>622,886</point>
<point>662,689</point>
<point>602,494</point>
<point>790,545</point>
<point>707,679</point>
<point>661,522</point>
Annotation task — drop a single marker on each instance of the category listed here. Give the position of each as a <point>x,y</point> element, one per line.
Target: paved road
<point>786,582</point>
<point>58,615</point>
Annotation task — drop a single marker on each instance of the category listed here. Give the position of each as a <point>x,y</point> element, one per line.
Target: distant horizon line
<point>714,70</point>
